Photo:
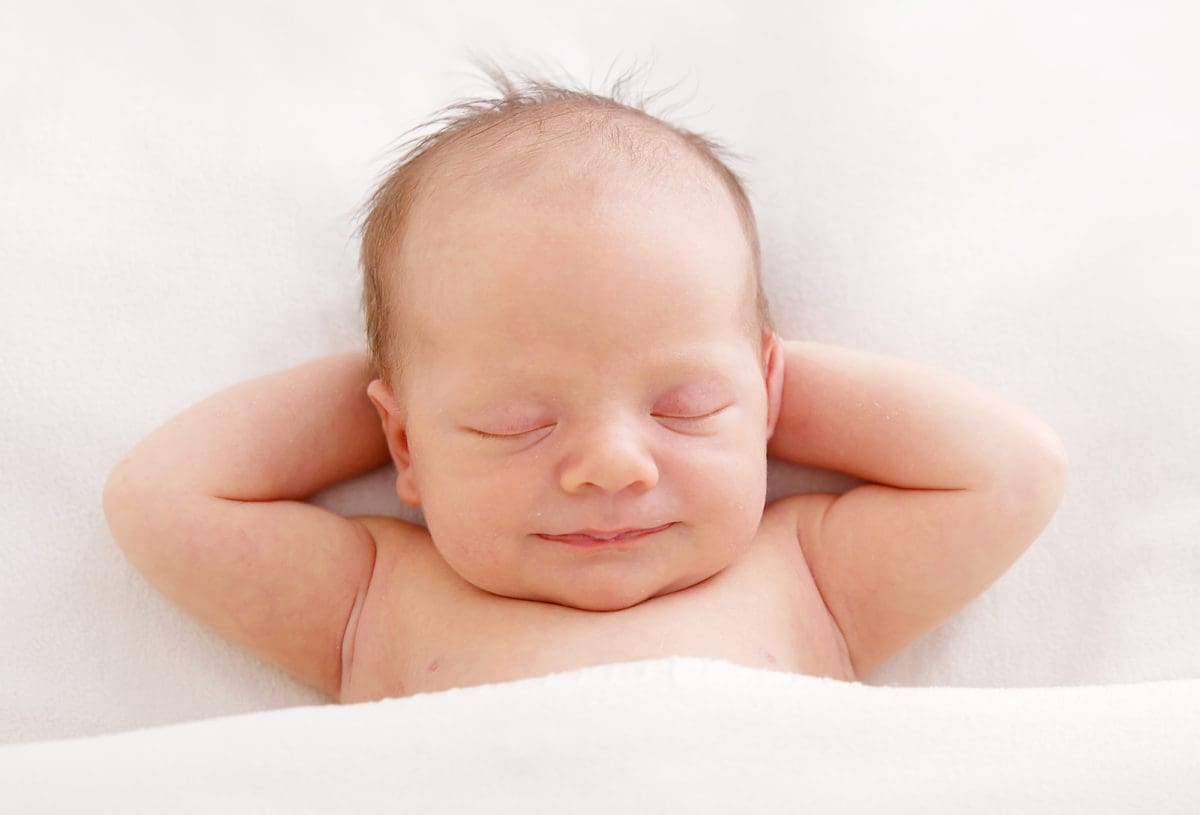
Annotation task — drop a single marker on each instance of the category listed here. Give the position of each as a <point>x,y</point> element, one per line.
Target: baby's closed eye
<point>691,423</point>
<point>688,414</point>
<point>691,403</point>
<point>507,433</point>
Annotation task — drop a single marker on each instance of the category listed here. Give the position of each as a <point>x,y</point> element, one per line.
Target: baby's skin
<point>584,416</point>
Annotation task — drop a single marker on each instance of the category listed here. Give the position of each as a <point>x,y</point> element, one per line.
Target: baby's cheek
<point>722,480</point>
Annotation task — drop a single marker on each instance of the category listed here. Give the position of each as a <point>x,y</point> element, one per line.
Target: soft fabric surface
<point>673,735</point>
<point>1003,189</point>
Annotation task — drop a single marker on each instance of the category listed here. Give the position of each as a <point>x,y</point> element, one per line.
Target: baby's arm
<point>964,482</point>
<point>210,509</point>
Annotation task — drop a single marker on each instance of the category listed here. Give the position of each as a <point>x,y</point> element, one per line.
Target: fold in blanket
<point>670,735</point>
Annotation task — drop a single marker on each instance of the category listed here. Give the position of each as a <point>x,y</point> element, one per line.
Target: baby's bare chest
<point>424,629</point>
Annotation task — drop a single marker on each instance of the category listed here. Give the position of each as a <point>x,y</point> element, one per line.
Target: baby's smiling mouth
<point>596,536</point>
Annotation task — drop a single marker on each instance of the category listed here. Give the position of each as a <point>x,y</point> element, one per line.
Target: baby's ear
<point>392,419</point>
<point>773,366</point>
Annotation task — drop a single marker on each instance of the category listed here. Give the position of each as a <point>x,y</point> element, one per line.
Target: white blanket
<point>672,735</point>
<point>1003,189</point>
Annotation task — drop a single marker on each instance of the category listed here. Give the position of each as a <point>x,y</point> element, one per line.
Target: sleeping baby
<point>573,369</point>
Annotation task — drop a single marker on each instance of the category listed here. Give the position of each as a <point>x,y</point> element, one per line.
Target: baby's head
<point>564,307</point>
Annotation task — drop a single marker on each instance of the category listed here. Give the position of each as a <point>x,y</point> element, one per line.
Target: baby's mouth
<point>593,536</point>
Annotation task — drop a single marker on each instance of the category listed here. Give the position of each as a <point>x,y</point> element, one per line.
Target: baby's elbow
<point>1042,476</point>
<point>119,502</point>
<point>1041,491</point>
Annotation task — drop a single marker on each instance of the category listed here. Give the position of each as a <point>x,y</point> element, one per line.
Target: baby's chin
<point>612,596</point>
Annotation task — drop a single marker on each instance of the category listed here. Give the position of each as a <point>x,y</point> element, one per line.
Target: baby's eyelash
<point>507,435</point>
<point>702,416</point>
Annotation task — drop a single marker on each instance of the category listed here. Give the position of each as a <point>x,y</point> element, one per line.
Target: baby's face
<point>581,363</point>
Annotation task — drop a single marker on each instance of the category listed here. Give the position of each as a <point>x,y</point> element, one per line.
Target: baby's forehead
<point>502,212</point>
<point>469,228</point>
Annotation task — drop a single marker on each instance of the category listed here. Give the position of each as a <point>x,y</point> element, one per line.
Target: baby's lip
<point>606,534</point>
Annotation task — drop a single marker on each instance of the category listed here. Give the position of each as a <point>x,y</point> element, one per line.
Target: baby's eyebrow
<point>501,378</point>
<point>528,384</point>
<point>698,368</point>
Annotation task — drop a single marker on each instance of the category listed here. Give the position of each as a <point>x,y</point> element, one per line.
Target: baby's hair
<point>518,104</point>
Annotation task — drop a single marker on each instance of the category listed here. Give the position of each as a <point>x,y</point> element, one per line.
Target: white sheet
<point>673,735</point>
<point>1003,189</point>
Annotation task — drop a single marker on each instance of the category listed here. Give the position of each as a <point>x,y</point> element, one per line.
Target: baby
<point>574,371</point>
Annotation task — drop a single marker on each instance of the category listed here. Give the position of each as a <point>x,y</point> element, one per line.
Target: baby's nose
<point>610,458</point>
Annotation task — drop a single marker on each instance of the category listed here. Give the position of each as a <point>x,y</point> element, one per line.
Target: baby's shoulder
<point>786,517</point>
<point>395,540</point>
<point>391,531</point>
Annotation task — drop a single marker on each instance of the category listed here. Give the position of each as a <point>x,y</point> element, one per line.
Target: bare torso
<point>423,628</point>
